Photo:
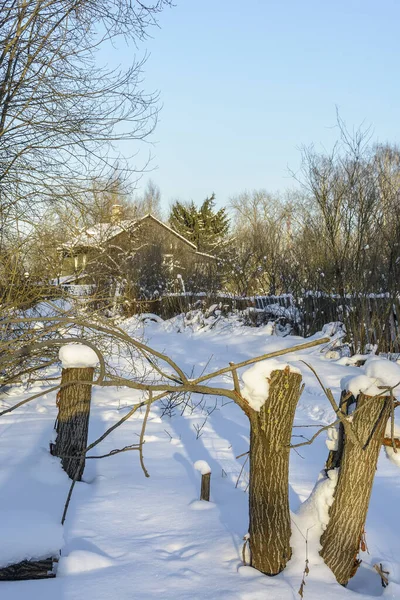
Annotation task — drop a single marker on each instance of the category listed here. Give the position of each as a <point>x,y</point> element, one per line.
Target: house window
<point>168,261</point>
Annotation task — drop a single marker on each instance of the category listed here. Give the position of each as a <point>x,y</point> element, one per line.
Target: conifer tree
<point>204,226</point>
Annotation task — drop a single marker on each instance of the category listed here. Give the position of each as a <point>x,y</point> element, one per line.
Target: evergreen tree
<point>204,226</point>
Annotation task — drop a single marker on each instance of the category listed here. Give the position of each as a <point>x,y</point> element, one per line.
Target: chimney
<point>116,213</point>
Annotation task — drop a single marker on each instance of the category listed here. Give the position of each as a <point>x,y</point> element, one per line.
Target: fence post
<point>205,470</point>
<point>73,401</point>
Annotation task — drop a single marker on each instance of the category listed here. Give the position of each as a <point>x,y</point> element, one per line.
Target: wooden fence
<point>370,319</point>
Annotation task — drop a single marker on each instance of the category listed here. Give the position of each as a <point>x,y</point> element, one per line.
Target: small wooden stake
<point>205,487</point>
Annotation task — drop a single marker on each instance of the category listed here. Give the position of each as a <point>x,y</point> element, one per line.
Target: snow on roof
<point>100,233</point>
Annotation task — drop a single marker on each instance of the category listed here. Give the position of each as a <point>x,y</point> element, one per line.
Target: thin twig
<point>241,470</point>
<point>141,439</point>
<point>112,453</point>
<point>341,416</point>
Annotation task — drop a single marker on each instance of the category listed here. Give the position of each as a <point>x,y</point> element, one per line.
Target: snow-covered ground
<point>128,537</point>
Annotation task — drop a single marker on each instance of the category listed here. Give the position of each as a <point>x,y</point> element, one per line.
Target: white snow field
<point>131,538</point>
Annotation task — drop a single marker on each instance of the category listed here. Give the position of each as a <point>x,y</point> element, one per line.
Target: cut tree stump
<point>73,419</point>
<point>270,436</point>
<point>29,569</point>
<point>342,537</point>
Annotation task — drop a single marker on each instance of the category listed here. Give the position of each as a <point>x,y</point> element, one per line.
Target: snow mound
<point>28,535</point>
<point>256,381</point>
<point>82,561</point>
<point>77,356</point>
<point>201,505</point>
<point>386,370</point>
<point>361,384</point>
<point>202,466</point>
<point>378,372</point>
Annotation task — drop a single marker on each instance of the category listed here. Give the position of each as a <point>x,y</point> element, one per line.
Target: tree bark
<point>205,487</point>
<point>73,419</point>
<point>270,436</point>
<point>335,456</point>
<point>341,539</point>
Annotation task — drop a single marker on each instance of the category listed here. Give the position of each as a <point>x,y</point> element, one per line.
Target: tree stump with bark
<point>270,437</point>
<point>342,537</point>
<point>73,419</point>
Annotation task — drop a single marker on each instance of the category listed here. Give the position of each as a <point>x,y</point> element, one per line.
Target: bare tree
<point>341,207</point>
<point>262,229</point>
<point>150,201</point>
<point>61,112</point>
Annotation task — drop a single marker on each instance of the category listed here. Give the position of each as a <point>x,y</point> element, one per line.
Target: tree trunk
<point>341,539</point>
<point>73,419</point>
<point>270,436</point>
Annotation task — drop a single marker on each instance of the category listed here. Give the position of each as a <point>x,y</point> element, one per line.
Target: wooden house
<point>144,255</point>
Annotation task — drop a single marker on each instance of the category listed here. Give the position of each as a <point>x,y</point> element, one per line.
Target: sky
<point>245,83</point>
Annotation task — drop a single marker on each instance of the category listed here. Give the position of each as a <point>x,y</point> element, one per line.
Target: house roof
<point>181,237</point>
<point>101,233</point>
<point>98,234</point>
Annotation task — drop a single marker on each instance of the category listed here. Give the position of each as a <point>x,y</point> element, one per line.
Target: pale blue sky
<point>245,83</point>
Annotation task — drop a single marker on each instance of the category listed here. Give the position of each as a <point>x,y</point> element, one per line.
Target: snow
<point>256,381</point>
<point>387,371</point>
<point>312,518</point>
<point>127,536</point>
<point>28,535</point>
<point>392,455</point>
<point>75,356</point>
<point>377,373</point>
<point>332,437</point>
<point>356,358</point>
<point>270,328</point>
<point>82,561</point>
<point>101,233</point>
<point>362,384</point>
<point>202,466</point>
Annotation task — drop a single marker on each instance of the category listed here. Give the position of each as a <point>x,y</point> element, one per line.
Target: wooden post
<point>205,470</point>
<point>73,419</point>
<point>205,487</point>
